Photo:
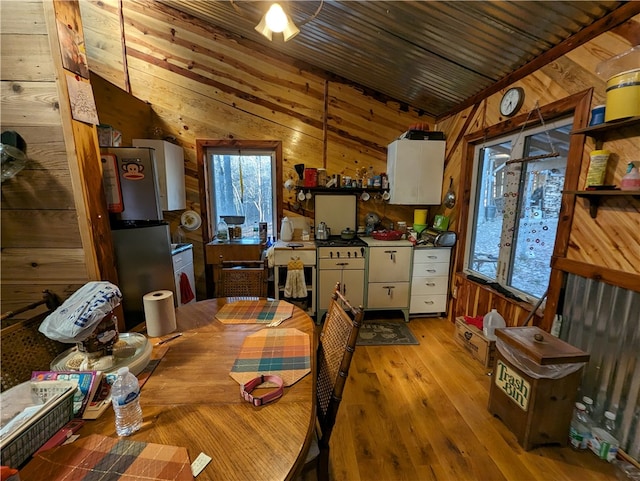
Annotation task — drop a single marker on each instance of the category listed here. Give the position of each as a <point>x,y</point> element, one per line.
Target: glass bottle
<point>222,230</point>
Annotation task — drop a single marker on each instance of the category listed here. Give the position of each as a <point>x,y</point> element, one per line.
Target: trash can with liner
<point>534,385</point>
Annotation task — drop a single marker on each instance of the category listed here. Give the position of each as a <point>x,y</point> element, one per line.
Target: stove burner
<point>340,242</point>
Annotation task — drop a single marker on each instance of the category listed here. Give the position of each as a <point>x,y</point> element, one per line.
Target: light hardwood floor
<point>419,413</point>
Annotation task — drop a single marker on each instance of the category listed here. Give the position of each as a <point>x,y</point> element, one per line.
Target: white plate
<point>136,363</point>
<point>190,220</point>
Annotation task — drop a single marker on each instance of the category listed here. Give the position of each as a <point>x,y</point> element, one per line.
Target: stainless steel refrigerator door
<point>138,183</point>
<point>143,260</point>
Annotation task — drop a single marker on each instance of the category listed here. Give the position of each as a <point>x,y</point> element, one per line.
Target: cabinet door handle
<point>389,289</point>
<point>392,255</point>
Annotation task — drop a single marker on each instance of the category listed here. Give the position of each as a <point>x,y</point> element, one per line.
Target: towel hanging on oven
<point>295,287</point>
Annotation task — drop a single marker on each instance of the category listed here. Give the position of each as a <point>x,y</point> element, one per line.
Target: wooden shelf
<point>594,197</point>
<point>602,129</point>
<point>340,190</point>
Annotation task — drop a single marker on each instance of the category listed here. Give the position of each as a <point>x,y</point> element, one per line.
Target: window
<point>242,184</point>
<point>515,208</point>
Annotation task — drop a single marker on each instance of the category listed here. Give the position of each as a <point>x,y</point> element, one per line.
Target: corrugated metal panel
<point>605,321</point>
<point>431,55</point>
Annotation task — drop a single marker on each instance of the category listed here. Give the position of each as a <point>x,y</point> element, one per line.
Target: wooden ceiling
<point>439,56</point>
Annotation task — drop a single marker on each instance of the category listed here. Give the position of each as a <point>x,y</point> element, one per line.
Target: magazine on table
<point>87,381</point>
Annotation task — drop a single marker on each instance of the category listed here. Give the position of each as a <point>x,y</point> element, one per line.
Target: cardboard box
<point>473,340</point>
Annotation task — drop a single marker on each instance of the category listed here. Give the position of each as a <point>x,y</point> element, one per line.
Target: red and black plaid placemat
<point>99,457</point>
<point>260,311</point>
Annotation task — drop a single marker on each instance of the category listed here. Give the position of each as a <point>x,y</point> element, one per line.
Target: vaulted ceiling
<point>437,56</point>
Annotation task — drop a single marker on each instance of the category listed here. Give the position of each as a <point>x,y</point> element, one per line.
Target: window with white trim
<point>243,184</point>
<point>518,181</point>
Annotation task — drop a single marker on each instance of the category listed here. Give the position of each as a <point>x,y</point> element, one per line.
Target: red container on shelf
<point>310,177</point>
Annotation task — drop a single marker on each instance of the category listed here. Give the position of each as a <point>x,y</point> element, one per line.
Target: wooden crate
<point>474,341</point>
<point>537,410</point>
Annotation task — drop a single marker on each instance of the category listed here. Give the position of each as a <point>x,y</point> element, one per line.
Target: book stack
<point>93,395</point>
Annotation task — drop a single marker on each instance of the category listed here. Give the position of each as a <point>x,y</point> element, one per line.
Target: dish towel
<point>295,286</point>
<point>186,293</point>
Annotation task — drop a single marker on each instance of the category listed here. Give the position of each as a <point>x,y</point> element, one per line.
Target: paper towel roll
<point>159,313</point>
<point>420,216</point>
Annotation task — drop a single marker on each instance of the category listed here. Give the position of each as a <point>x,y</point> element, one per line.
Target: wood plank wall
<point>611,240</point>
<point>204,83</point>
<point>41,240</point>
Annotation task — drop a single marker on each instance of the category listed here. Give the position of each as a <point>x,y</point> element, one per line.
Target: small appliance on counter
<point>437,238</point>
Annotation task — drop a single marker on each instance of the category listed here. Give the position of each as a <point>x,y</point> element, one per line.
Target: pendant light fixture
<point>278,21</point>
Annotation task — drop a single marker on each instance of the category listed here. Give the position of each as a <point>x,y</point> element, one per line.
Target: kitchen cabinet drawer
<point>281,257</point>
<point>428,303</point>
<point>341,263</point>
<point>423,286</point>
<point>388,295</point>
<point>431,269</point>
<point>181,259</point>
<point>389,264</point>
<point>427,255</point>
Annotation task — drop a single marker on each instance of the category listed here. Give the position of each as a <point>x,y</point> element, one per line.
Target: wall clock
<point>511,101</point>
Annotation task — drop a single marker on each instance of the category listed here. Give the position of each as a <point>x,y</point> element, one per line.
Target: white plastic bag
<point>531,368</point>
<point>76,318</point>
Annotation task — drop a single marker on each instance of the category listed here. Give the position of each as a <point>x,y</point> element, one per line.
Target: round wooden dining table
<point>190,400</point>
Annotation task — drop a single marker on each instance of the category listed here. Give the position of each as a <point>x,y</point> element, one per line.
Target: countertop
<point>300,245</point>
<point>177,248</point>
<point>371,242</point>
<point>245,241</point>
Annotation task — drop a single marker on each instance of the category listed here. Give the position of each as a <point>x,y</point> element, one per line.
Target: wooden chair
<point>24,348</point>
<point>243,279</point>
<point>335,350</point>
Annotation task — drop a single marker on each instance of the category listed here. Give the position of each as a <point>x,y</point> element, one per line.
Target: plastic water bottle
<point>588,404</point>
<point>603,441</point>
<point>580,430</point>
<point>125,397</point>
<point>610,423</point>
<point>490,322</point>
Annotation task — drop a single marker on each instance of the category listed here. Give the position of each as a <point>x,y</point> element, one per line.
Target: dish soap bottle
<point>490,322</point>
<point>631,180</point>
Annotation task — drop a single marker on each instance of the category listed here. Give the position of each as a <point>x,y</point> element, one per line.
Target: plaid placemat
<point>255,311</point>
<point>100,457</point>
<point>283,352</point>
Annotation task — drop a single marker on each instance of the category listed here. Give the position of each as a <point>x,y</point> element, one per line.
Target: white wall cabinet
<point>170,167</point>
<point>415,169</point>
<point>430,280</point>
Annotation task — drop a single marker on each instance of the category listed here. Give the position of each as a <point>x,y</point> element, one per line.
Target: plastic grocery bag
<point>77,317</point>
<point>531,368</point>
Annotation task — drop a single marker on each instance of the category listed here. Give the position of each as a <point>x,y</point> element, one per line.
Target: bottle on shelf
<point>580,429</point>
<point>125,398</point>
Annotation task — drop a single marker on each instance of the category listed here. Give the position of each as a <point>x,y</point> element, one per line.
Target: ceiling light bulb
<point>276,18</point>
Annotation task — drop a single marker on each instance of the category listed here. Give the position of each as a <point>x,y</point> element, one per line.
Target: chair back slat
<point>335,351</point>
<point>243,279</point>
